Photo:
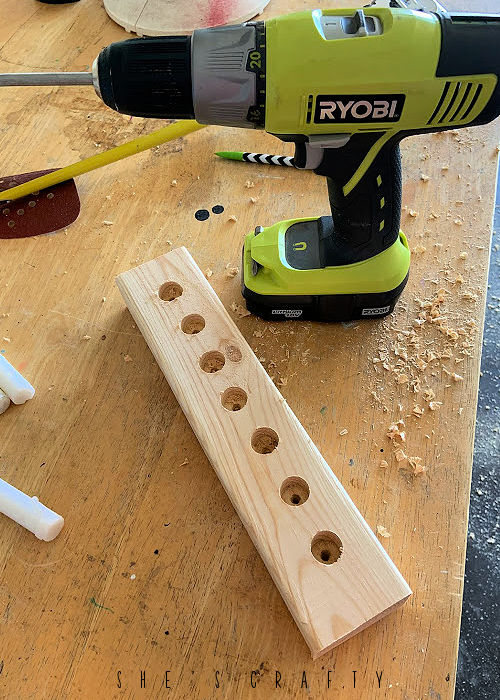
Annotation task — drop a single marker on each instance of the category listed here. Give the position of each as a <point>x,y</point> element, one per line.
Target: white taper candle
<point>29,512</point>
<point>17,388</point>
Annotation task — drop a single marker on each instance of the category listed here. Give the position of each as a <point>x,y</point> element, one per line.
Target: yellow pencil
<point>143,143</point>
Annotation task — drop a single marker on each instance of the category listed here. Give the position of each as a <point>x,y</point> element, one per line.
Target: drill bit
<point>13,79</point>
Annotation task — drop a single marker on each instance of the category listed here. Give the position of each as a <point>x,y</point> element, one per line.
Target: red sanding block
<point>49,210</point>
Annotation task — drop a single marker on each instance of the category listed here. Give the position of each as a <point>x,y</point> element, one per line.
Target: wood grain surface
<point>334,575</point>
<point>106,444</point>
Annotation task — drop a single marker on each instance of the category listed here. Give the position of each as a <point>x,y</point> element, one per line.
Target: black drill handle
<point>365,221</point>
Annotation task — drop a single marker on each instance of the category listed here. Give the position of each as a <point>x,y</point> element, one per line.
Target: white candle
<point>29,512</point>
<point>14,384</point>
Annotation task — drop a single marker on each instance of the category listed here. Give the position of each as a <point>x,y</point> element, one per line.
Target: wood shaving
<point>208,273</point>
<point>108,223</point>
<point>249,184</point>
<point>463,255</point>
<point>85,337</point>
<point>239,310</point>
<point>413,213</point>
<point>254,199</point>
<point>419,249</point>
<point>416,463</point>
<point>127,358</point>
<point>418,411</point>
<point>428,395</point>
<point>395,431</point>
<point>434,405</point>
<point>383,464</point>
<point>415,385</point>
<point>344,432</point>
<point>382,531</point>
<point>232,272</point>
<point>400,455</point>
<point>424,178</point>
<point>232,218</point>
<point>173,183</point>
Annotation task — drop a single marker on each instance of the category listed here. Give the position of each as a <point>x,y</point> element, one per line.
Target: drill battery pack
<point>284,280</point>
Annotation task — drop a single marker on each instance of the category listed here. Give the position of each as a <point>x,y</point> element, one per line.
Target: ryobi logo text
<point>358,108</point>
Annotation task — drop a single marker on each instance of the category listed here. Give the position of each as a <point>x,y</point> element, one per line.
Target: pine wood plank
<point>331,570</point>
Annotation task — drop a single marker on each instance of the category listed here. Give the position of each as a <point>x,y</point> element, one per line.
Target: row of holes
<point>326,546</point>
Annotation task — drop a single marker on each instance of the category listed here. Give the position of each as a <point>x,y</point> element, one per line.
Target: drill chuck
<point>147,77</point>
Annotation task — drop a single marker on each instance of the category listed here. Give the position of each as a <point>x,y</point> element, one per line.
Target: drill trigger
<point>309,155</point>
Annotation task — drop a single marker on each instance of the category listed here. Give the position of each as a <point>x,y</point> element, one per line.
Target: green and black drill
<point>346,86</point>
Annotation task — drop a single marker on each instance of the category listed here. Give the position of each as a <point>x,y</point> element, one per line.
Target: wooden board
<point>333,573</point>
<point>105,443</point>
<point>160,17</point>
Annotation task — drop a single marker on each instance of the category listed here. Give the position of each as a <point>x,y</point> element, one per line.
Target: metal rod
<point>12,79</point>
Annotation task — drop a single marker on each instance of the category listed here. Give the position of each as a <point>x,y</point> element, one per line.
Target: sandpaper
<point>49,210</point>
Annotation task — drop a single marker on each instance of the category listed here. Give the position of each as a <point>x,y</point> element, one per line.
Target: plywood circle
<point>161,17</point>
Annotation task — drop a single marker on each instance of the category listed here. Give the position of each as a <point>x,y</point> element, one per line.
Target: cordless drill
<point>346,86</point>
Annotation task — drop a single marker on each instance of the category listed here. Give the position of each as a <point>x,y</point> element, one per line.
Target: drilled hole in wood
<point>233,353</point>
<point>294,491</point>
<point>50,195</point>
<point>326,547</point>
<point>265,440</point>
<point>32,203</point>
<point>212,361</point>
<point>170,291</point>
<point>11,224</point>
<point>6,212</point>
<point>194,323</point>
<point>234,398</point>
<point>20,212</point>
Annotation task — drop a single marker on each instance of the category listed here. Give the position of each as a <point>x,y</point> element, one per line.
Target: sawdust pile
<point>424,357</point>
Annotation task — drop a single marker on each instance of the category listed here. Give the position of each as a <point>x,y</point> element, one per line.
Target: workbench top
<point>153,571</point>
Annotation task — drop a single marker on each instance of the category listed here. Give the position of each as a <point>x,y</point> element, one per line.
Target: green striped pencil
<point>264,158</point>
